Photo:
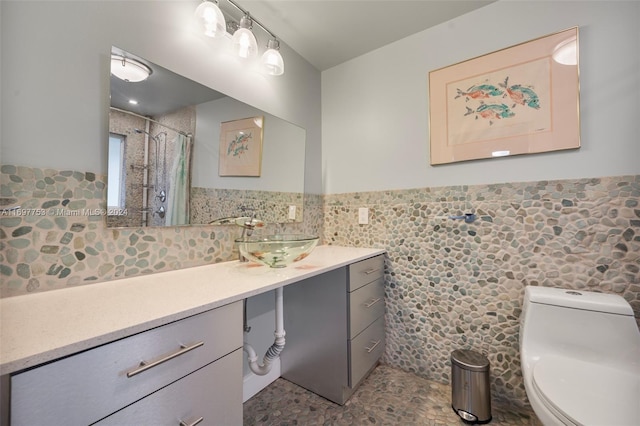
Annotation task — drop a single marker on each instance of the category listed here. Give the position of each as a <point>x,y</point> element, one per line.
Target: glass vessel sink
<point>277,251</point>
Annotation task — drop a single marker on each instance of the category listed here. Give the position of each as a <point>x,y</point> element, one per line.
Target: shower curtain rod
<point>152,120</point>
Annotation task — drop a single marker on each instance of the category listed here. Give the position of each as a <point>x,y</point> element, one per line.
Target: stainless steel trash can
<point>470,387</point>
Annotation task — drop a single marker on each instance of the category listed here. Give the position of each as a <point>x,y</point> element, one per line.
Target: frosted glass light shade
<point>243,42</point>
<point>211,19</point>
<point>272,61</point>
<point>128,69</point>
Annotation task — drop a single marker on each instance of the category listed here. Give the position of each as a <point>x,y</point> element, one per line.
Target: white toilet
<point>580,355</point>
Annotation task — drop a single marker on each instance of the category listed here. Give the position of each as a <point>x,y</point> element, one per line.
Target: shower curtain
<point>178,196</point>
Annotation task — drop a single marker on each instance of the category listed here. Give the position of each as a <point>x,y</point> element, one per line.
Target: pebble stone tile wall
<point>58,237</point>
<point>209,204</point>
<point>449,284</point>
<point>455,285</point>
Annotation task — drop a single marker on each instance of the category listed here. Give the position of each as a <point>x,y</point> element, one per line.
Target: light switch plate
<point>363,216</point>
<point>292,212</point>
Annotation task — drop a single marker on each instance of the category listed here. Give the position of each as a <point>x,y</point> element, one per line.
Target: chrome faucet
<point>248,226</point>
<point>247,230</point>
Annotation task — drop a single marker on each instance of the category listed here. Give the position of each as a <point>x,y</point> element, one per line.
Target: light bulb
<point>211,19</point>
<point>272,61</point>
<point>243,42</point>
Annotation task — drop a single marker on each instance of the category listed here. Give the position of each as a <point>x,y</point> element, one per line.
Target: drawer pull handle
<point>375,343</point>
<point>373,302</point>
<point>182,423</point>
<point>144,366</point>
<point>371,271</point>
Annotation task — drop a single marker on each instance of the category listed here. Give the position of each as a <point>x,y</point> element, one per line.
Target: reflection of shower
<point>159,185</point>
<point>159,190</point>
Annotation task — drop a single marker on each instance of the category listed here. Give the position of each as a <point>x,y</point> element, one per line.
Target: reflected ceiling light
<point>128,69</point>
<point>566,52</point>
<point>272,61</point>
<point>243,42</point>
<point>211,18</point>
<point>500,153</point>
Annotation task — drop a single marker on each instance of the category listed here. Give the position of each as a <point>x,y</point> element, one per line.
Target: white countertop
<point>45,326</point>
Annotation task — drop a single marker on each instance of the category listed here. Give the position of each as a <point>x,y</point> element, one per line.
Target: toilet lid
<point>587,393</point>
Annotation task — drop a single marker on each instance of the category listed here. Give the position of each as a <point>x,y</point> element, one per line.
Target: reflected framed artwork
<point>523,99</point>
<point>241,147</point>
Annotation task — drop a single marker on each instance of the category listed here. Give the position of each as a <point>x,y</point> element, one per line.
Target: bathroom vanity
<point>163,348</point>
<point>154,368</point>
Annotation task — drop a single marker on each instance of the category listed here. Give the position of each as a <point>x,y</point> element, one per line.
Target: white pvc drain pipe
<point>274,350</point>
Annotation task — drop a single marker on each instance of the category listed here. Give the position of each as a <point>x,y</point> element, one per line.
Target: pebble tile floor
<point>389,396</point>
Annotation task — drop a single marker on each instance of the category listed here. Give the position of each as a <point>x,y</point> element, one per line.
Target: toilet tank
<point>595,327</point>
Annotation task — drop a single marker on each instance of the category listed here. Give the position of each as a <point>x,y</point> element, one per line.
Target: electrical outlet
<point>363,216</point>
<point>292,212</point>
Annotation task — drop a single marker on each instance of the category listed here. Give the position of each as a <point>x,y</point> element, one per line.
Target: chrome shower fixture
<point>160,192</point>
<point>147,133</point>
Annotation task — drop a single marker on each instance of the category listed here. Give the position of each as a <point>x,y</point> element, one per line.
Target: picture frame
<point>241,147</point>
<point>522,99</point>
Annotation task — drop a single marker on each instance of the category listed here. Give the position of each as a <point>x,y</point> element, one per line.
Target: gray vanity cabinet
<point>179,372</point>
<point>334,325</point>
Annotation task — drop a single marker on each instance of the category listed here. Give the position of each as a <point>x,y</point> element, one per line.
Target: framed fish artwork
<point>241,147</point>
<point>523,99</point>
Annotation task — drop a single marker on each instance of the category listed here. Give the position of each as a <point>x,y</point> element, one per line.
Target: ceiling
<point>324,32</point>
<point>329,32</point>
<point>164,91</point>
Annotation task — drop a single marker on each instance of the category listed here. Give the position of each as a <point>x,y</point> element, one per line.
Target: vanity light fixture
<point>243,41</point>
<point>128,69</point>
<point>211,18</point>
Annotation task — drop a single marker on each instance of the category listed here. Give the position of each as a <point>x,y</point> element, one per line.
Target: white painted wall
<point>375,133</point>
<point>55,77</point>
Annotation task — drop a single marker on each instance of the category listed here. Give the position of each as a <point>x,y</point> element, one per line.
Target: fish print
<point>494,111</point>
<point>481,91</point>
<point>489,102</point>
<point>239,145</point>
<point>491,112</point>
<point>521,95</point>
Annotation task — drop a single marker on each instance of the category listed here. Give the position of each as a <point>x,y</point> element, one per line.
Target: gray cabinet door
<point>213,394</point>
<point>315,320</point>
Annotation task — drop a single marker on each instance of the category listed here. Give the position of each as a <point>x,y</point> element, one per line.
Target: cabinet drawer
<point>366,304</point>
<point>213,393</point>
<point>365,271</point>
<point>365,350</point>
<point>88,386</point>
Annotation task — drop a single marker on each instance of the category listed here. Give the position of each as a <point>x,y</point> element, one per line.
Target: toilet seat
<point>584,393</point>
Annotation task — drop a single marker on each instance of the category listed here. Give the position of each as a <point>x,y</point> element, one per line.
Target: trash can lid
<point>469,360</point>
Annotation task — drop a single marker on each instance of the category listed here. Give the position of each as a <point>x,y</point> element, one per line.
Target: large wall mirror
<point>181,153</point>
